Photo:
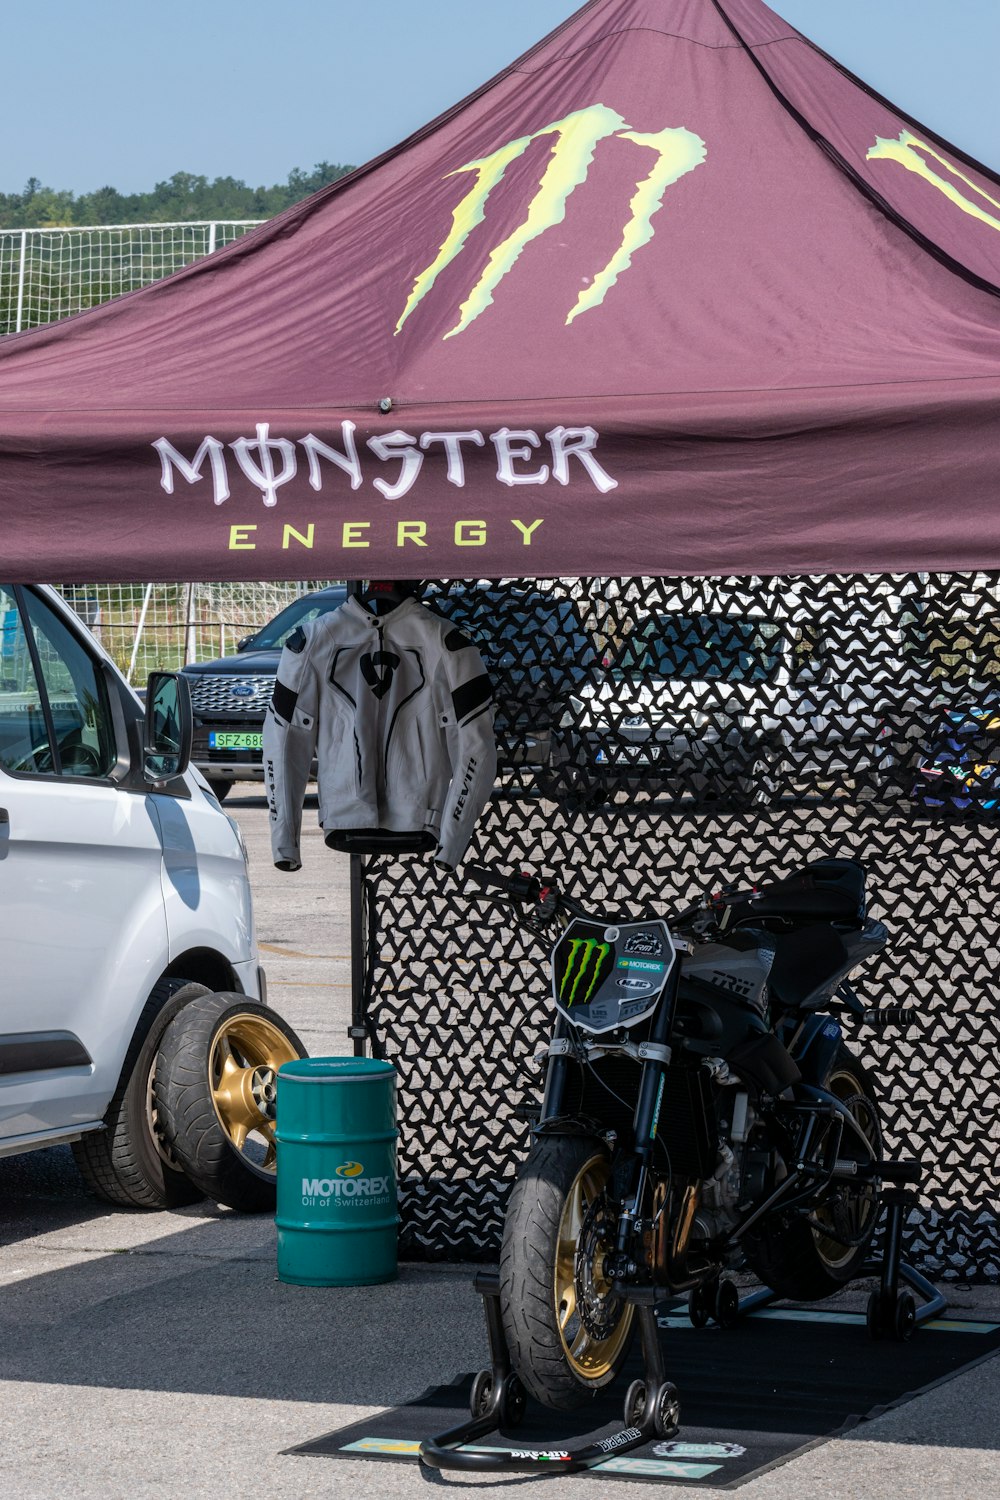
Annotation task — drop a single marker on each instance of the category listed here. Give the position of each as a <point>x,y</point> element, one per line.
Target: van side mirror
<point>168,728</point>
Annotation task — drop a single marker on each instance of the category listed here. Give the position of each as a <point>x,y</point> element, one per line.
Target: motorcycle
<point>700,1113</point>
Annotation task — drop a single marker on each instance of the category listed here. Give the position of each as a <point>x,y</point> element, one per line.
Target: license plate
<point>219,741</point>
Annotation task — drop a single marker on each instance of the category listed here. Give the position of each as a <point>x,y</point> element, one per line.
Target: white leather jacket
<point>398,710</point>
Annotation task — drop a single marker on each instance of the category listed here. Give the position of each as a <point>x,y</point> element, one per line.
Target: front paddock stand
<point>498,1400</point>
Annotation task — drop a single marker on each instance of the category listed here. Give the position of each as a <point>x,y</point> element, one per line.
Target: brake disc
<point>599,1309</point>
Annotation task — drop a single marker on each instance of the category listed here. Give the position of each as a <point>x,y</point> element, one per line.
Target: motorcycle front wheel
<point>806,1258</point>
<point>567,1331</point>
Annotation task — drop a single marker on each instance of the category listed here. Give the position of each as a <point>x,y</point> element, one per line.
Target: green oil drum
<point>336,1133</point>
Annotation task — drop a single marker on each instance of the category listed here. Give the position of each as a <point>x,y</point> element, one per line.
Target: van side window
<point>60,725</point>
<point>24,735</point>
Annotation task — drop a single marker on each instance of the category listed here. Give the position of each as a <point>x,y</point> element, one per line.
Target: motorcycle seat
<point>827,890</point>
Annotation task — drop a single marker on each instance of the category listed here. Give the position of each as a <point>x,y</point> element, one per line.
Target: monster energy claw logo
<point>916,156</point>
<point>677,151</point>
<point>582,953</point>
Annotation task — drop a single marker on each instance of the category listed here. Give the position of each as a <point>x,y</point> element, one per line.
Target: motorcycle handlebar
<point>522,887</point>
<point>544,892</point>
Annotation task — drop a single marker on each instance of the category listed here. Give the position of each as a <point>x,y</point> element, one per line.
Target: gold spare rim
<point>243,1062</point>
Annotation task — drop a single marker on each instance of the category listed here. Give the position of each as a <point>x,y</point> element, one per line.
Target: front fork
<point>624,1264</point>
<point>645,1121</point>
<point>555,1076</point>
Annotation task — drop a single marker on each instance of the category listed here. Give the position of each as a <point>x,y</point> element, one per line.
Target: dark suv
<point>537,652</point>
<point>230,696</point>
<point>533,645</point>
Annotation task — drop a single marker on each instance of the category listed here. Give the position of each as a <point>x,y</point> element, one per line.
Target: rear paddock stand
<point>498,1399</point>
<point>892,1312</point>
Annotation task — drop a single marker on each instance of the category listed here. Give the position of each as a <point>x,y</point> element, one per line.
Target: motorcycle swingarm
<point>812,1100</point>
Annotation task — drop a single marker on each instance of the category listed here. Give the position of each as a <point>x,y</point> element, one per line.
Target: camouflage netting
<point>658,738</point>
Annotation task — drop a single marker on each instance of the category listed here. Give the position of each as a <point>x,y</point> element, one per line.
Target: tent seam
<point>863,186</point>
<point>989,173</point>
<point>404,402</point>
<point>651,31</point>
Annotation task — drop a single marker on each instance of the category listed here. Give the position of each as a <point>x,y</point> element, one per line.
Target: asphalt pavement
<point>157,1355</point>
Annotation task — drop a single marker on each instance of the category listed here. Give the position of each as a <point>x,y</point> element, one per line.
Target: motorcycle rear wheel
<point>796,1258</point>
<point>567,1332</point>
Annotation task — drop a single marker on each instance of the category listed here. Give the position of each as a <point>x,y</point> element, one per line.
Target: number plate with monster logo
<point>605,977</point>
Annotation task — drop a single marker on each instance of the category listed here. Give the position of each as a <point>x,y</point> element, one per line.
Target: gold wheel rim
<point>863,1205</point>
<point>589,1358</point>
<point>243,1062</point>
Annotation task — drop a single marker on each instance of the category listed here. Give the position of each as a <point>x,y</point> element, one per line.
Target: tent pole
<point>19,318</point>
<point>359,956</point>
<point>139,629</point>
<point>359,935</point>
<point>189,631</point>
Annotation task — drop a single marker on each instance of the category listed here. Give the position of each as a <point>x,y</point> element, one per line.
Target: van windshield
<point>703,647</point>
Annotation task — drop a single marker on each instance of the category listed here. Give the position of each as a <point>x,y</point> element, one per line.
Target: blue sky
<point>126,92</point>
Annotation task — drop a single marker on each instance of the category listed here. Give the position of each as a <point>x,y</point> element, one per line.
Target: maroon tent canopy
<point>673,294</point>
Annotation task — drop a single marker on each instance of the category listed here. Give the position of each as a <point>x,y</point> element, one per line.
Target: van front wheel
<point>129,1163</point>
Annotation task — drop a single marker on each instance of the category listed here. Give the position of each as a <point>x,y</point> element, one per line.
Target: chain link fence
<point>47,274</point>
<point>147,627</point>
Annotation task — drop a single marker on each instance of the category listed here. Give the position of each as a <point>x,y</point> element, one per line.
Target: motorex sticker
<point>654,1468</point>
<point>675,1449</point>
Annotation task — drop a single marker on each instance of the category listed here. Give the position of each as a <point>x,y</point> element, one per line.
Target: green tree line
<point>183,196</point>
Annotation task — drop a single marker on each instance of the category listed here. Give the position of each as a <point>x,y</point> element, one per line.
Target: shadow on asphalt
<point>201,1311</point>
<point>254,798</point>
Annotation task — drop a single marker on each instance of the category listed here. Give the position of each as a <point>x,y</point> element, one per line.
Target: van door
<point>82,924</point>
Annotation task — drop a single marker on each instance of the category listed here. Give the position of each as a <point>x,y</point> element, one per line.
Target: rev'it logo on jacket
<point>676,152</point>
<point>467,784</point>
<point>379,681</point>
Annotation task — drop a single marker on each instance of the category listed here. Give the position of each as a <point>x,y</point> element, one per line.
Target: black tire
<point>667,1416</point>
<point>559,1361</point>
<point>727,1304</point>
<point>791,1256</point>
<point>635,1404</point>
<point>193,1098</point>
<point>905,1317</point>
<point>701,1303</point>
<point>481,1395</point>
<point>513,1403</point>
<point>220,788</point>
<point>129,1163</point>
<point>873,1315</point>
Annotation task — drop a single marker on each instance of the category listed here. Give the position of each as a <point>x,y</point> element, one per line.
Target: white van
<point>126,931</point>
